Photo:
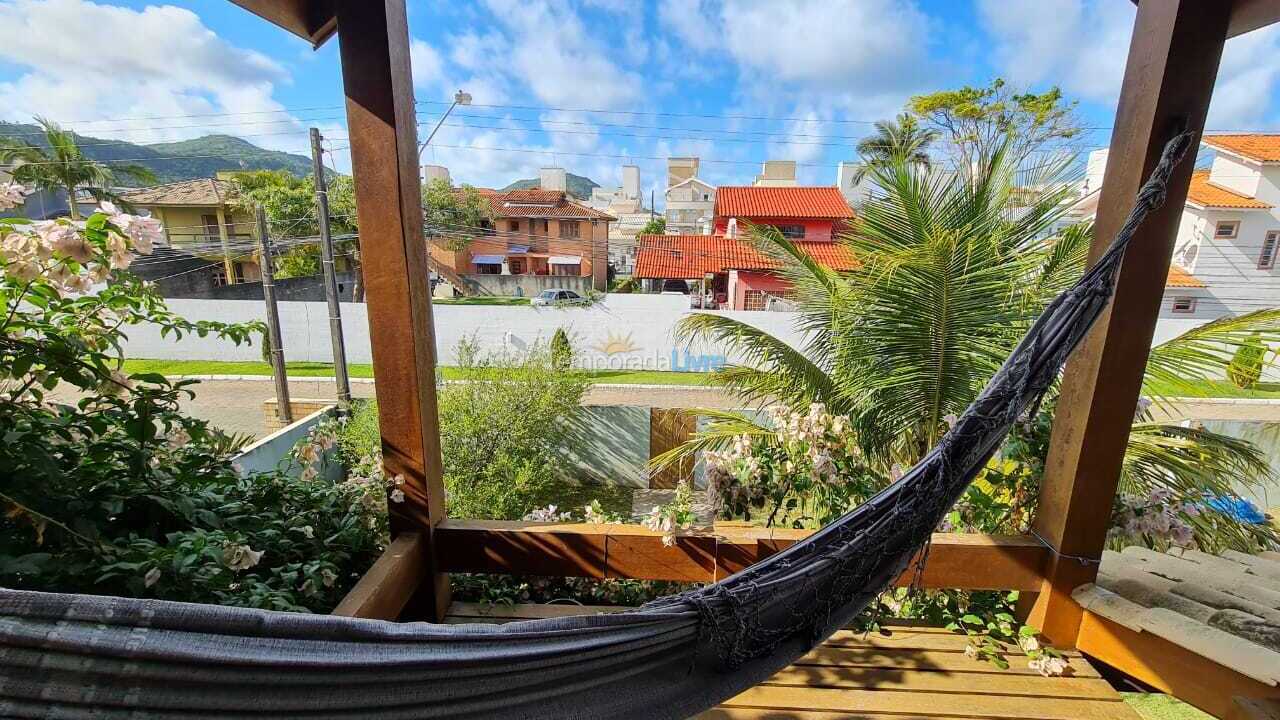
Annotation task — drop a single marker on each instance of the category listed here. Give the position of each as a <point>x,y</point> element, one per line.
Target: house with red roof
<point>736,276</point>
<point>540,238</point>
<point>1224,259</point>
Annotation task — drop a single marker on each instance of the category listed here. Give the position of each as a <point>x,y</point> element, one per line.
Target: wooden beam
<point>969,561</point>
<point>381,121</point>
<point>311,20</point>
<point>1168,80</point>
<point>1168,667</point>
<point>387,587</point>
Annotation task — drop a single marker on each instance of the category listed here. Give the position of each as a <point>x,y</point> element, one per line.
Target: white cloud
<point>556,56</point>
<point>1084,47</point>
<point>427,65</point>
<point>80,60</point>
<point>1246,82</point>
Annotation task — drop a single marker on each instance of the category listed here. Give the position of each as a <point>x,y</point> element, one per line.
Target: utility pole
<point>330,275</point>
<point>283,408</point>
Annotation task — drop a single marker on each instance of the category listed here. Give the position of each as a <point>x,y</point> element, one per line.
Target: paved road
<point>234,403</point>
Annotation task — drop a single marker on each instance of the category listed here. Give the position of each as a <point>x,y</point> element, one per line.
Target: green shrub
<point>561,350</point>
<point>500,437</point>
<point>120,493</point>
<point>1246,365</point>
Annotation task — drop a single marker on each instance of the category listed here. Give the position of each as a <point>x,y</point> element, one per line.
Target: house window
<point>544,227</point>
<point>1184,304</point>
<point>516,265</point>
<point>515,226</point>
<point>488,269</point>
<point>1267,258</point>
<point>569,229</point>
<point>793,232</point>
<point>1226,229</point>
<point>754,300</point>
<point>566,270</point>
<point>210,223</point>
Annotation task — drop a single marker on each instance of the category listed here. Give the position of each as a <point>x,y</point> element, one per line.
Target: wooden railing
<point>955,560</point>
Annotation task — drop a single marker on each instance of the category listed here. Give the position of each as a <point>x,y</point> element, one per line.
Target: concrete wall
<point>269,453</point>
<point>526,285</point>
<point>623,331</point>
<point>610,443</point>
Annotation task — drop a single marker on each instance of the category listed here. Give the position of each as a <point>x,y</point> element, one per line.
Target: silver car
<point>559,296</point>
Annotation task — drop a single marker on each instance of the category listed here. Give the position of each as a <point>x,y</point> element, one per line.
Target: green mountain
<point>183,160</point>
<point>579,186</point>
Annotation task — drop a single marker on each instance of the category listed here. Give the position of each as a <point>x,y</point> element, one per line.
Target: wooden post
<point>283,406</point>
<point>330,276</point>
<point>228,265</point>
<point>1169,77</point>
<point>374,39</point>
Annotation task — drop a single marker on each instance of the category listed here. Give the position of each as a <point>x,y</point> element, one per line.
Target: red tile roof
<point>781,202</point>
<point>1206,194</point>
<point>693,256</point>
<point>1255,146</point>
<point>537,203</point>
<point>1179,278</point>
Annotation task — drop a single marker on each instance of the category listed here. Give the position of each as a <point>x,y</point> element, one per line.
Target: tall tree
<point>454,216</point>
<point>976,121</point>
<point>902,137</point>
<point>60,165</point>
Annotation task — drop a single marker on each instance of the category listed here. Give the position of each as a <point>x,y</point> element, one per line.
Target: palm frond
<point>1205,352</point>
<point>1194,464</point>
<point>723,428</point>
<point>795,378</point>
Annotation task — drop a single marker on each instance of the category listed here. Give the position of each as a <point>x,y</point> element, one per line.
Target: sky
<point>591,85</point>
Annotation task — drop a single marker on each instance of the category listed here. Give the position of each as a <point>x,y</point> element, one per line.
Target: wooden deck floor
<point>914,672</point>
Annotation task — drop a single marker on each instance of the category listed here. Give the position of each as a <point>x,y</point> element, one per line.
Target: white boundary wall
<point>622,331</point>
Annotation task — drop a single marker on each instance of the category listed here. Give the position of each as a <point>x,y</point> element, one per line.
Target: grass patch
<point>1157,706</point>
<point>316,369</point>
<point>569,496</point>
<point>481,300</point>
<point>1217,389</point>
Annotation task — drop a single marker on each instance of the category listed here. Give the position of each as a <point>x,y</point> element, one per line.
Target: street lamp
<point>459,98</point>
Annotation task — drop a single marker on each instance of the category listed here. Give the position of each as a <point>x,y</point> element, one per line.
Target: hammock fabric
<point>79,656</point>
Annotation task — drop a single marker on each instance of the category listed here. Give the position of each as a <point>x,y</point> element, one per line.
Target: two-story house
<point>728,272</point>
<point>200,219</point>
<point>540,238</point>
<point>1225,252</point>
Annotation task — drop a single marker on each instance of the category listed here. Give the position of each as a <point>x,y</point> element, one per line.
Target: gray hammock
<point>80,656</point>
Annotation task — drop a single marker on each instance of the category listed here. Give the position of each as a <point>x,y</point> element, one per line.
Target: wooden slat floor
<point>910,673</point>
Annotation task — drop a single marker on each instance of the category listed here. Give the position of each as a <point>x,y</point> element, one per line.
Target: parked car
<point>559,296</point>
<point>675,287</point>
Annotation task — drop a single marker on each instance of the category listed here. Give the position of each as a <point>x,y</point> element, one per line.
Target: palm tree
<point>954,270</point>
<point>62,166</point>
<point>901,138</point>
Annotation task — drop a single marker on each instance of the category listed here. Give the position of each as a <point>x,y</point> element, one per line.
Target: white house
<point>690,201</point>
<point>1225,255</point>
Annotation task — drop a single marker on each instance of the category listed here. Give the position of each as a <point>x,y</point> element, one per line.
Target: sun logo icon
<point>615,344</point>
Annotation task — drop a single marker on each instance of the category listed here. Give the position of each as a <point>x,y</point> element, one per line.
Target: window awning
<point>565,259</point>
<point>517,249</point>
<point>487,259</point>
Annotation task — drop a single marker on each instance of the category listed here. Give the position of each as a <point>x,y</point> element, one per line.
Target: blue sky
<point>587,84</point>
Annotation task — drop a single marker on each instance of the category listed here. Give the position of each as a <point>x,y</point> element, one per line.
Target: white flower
<point>151,577</point>
<point>1028,643</point>
<point>66,241</point>
<point>328,577</point>
<point>11,195</point>
<point>307,531</point>
<point>108,207</point>
<point>1048,666</point>
<point>971,650</point>
<point>240,557</point>
<point>397,495</point>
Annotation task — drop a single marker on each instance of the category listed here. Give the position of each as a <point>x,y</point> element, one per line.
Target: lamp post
<point>459,98</point>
